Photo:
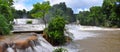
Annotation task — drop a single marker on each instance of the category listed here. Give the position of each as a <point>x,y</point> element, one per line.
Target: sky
<point>76,5</point>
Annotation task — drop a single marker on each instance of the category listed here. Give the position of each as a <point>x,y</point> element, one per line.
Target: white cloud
<point>86,9</point>
<point>78,5</point>
<point>20,5</point>
<point>78,10</point>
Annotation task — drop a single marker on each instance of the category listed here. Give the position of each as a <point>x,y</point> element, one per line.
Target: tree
<point>62,10</point>
<point>111,10</point>
<point>70,15</point>
<point>107,15</point>
<point>56,31</point>
<point>96,15</point>
<point>4,26</point>
<point>40,10</point>
<point>83,17</point>
<point>93,17</point>
<point>107,6</point>
<point>115,17</point>
<point>20,13</point>
<point>6,16</point>
<point>107,10</point>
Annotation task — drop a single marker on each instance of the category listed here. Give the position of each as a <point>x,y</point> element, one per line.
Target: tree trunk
<point>44,21</point>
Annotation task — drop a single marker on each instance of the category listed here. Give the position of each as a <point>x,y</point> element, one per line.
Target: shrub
<point>60,50</point>
<point>56,31</point>
<point>29,22</point>
<point>4,26</point>
<point>6,16</point>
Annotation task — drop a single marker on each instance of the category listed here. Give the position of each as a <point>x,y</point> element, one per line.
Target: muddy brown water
<point>15,36</point>
<point>90,40</point>
<point>103,41</point>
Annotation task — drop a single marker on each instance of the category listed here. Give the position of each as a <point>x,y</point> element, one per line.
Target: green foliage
<point>29,22</point>
<point>60,50</point>
<point>56,31</point>
<point>43,10</point>
<point>93,17</point>
<point>5,9</point>
<point>6,17</point>
<point>40,10</point>
<point>4,26</point>
<point>62,10</point>
<point>116,14</point>
<point>111,10</point>
<point>20,13</point>
<point>96,15</point>
<point>107,15</point>
<point>83,17</point>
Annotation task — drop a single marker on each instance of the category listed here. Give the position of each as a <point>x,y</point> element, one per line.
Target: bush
<point>6,17</point>
<point>29,22</point>
<point>56,31</point>
<point>60,50</point>
<point>4,26</point>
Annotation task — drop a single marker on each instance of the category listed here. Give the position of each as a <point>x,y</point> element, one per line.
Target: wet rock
<point>34,39</point>
<point>68,39</point>
<point>22,44</point>
<point>26,42</point>
<point>3,47</point>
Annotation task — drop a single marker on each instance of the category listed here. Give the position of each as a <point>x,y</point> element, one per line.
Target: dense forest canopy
<point>63,11</point>
<point>107,15</point>
<point>40,10</point>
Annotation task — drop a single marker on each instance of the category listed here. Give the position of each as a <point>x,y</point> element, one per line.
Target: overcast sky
<point>76,5</point>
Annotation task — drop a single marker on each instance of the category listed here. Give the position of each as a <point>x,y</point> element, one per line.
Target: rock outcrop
<point>22,44</point>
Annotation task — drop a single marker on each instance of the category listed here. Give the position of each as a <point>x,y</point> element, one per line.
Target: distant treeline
<point>107,15</point>
<point>56,10</point>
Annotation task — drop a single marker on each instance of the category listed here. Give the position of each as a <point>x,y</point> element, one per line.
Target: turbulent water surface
<point>95,39</point>
<point>85,39</point>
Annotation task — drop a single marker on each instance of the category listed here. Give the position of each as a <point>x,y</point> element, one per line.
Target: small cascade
<point>41,45</point>
<point>77,33</point>
<point>45,44</point>
<point>9,49</point>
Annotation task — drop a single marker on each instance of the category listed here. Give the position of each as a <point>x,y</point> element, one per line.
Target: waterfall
<point>39,46</point>
<point>10,49</point>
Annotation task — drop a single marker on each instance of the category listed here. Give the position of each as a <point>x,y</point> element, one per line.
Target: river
<point>95,39</point>
<point>85,39</point>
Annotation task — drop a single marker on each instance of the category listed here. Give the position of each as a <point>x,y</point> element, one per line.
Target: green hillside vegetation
<point>107,15</point>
